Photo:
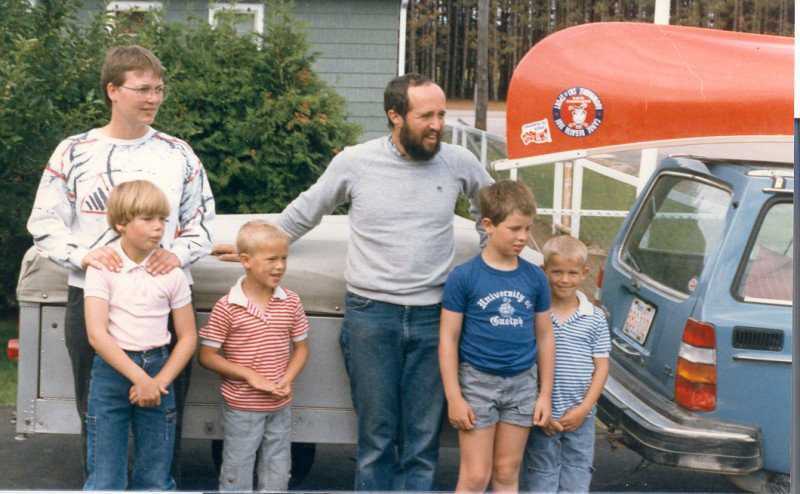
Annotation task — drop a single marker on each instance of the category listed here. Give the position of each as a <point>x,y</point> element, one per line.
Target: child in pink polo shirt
<point>256,340</point>
<point>133,370</point>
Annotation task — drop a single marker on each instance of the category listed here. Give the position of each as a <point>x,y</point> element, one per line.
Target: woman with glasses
<point>68,220</point>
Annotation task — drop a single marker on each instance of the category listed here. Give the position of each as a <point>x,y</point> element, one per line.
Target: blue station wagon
<point>698,288</point>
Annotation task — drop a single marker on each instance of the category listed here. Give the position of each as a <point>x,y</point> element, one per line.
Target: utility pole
<point>482,67</point>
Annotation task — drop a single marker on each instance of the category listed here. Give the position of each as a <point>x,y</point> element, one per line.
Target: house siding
<point>356,42</point>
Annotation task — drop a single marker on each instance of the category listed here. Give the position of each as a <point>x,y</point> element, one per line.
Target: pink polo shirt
<point>138,302</point>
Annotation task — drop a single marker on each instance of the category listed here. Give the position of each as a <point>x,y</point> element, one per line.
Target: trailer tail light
<point>696,377</point>
<point>12,350</point>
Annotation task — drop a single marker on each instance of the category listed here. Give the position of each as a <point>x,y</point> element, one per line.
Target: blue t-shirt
<point>498,334</point>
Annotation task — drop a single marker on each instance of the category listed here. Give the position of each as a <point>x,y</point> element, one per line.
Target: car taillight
<point>12,350</point>
<point>696,376</point>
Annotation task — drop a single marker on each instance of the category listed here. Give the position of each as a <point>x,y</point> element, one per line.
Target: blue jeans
<point>391,356</point>
<point>559,463</point>
<point>81,356</point>
<point>248,433</point>
<point>110,418</point>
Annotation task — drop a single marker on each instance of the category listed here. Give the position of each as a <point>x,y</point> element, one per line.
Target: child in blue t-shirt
<point>495,325</point>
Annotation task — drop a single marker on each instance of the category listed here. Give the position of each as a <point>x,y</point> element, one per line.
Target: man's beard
<point>415,146</point>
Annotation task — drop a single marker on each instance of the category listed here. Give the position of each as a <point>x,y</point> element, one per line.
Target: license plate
<point>639,320</point>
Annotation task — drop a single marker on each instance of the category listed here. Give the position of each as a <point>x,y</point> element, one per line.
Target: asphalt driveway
<point>52,461</point>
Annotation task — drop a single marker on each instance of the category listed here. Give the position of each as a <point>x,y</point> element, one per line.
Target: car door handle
<point>633,288</point>
<point>626,349</point>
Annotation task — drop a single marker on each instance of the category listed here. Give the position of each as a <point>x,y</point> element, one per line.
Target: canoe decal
<point>537,132</point>
<point>578,112</point>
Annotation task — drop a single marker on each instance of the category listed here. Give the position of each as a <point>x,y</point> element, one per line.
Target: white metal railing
<point>461,134</point>
<point>466,135</point>
<point>575,209</point>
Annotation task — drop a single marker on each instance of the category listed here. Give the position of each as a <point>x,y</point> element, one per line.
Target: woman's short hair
<point>121,59</point>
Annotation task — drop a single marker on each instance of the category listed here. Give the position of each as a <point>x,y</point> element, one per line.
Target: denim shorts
<point>494,398</point>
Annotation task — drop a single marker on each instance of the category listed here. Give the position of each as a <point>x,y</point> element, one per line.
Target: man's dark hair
<point>395,97</point>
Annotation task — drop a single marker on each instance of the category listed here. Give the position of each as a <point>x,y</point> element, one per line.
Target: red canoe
<point>606,84</point>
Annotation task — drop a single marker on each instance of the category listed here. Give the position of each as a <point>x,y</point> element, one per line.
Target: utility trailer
<point>322,410</point>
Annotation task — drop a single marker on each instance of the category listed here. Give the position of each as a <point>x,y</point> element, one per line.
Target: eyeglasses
<point>145,91</point>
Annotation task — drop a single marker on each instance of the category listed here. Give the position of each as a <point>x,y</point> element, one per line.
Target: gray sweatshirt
<point>401,242</point>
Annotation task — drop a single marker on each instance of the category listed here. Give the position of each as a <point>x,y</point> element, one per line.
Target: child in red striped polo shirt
<point>255,339</point>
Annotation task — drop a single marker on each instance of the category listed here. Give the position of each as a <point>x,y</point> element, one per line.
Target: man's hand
<point>573,418</point>
<point>102,257</point>
<point>542,412</point>
<point>162,261</point>
<point>260,382</point>
<point>147,393</point>
<point>460,414</point>
<point>225,252</point>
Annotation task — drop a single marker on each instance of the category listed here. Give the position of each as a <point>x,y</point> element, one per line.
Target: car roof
<point>771,154</point>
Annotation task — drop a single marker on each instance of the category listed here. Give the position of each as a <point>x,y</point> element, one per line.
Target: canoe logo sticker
<point>537,132</point>
<point>578,112</point>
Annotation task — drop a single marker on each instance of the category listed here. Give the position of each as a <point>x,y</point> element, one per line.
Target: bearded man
<point>402,190</point>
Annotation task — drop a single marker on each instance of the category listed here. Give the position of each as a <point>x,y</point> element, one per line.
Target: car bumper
<point>666,434</point>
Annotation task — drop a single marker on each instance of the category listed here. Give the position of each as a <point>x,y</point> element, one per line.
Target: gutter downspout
<point>401,38</point>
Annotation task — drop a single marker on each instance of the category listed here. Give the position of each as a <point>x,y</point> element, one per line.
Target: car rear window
<point>767,276</point>
<point>678,227</point>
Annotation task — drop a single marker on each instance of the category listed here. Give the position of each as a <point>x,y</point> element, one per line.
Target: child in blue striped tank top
<point>559,456</point>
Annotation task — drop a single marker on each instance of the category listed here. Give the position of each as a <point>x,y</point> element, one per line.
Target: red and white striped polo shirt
<point>256,339</point>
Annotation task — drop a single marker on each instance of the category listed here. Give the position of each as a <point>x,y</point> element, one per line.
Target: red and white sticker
<point>537,132</point>
<point>578,112</point>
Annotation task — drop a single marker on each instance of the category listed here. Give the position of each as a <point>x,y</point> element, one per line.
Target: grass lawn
<point>599,192</point>
<point>8,370</point>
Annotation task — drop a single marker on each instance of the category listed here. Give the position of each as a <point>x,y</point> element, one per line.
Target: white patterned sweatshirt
<point>68,219</point>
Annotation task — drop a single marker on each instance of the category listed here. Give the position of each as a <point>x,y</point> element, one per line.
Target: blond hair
<point>565,246</point>
<point>136,198</point>
<point>255,233</point>
<point>121,59</point>
<point>502,198</point>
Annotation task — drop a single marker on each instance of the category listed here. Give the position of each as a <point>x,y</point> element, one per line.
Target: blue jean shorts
<point>494,398</point>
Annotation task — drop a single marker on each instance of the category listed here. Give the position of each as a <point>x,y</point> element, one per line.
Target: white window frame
<point>131,6</point>
<point>245,8</point>
<point>137,5</point>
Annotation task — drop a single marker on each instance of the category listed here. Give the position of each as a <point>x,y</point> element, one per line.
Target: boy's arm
<point>211,358</point>
<point>546,357</point>
<point>459,412</point>
<point>147,390</point>
<point>574,417</point>
<point>297,361</point>
<point>186,335</point>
